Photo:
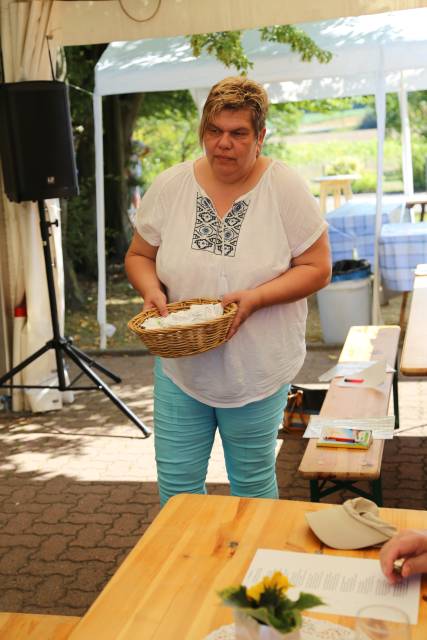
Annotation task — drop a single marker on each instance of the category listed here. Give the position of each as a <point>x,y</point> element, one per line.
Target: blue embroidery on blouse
<point>207,234</point>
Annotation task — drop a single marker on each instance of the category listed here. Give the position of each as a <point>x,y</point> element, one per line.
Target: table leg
<point>314,491</point>
<point>396,395</point>
<point>348,194</point>
<point>403,308</point>
<point>377,493</point>
<point>337,197</point>
<point>323,198</point>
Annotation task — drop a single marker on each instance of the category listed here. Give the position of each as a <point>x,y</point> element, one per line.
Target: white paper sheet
<point>344,584</point>
<point>349,369</point>
<point>382,428</point>
<point>372,377</point>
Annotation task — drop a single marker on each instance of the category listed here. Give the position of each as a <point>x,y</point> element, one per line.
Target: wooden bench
<point>338,469</point>
<point>414,354</point>
<point>31,626</point>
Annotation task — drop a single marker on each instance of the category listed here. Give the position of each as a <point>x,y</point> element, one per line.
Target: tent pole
<point>100,219</point>
<point>408,175</point>
<point>380,106</point>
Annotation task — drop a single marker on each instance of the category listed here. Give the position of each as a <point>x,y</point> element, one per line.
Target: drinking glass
<point>382,622</point>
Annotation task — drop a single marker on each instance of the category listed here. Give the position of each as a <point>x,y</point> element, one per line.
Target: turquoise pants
<point>184,432</point>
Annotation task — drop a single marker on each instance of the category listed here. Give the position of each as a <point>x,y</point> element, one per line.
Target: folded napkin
<point>196,313</point>
<point>353,525</point>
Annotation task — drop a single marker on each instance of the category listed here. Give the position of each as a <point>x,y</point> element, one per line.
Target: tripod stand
<point>64,347</point>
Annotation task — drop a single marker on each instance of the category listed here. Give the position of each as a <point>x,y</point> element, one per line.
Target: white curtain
<point>26,57</point>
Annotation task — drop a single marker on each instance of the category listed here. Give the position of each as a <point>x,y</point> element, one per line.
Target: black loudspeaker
<point>36,141</point>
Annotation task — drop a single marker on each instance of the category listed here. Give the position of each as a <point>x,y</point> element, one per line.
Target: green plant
<point>342,166</point>
<point>419,160</point>
<point>367,183</point>
<point>268,603</point>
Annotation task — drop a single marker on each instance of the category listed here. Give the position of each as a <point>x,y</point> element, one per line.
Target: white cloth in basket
<point>196,313</point>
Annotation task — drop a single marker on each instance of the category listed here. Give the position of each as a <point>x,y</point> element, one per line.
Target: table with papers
<point>198,544</point>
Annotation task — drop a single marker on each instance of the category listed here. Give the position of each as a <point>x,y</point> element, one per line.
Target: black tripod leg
<point>103,387</point>
<point>93,363</point>
<point>9,375</point>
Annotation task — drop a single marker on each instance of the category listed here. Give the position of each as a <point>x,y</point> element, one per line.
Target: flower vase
<point>248,628</point>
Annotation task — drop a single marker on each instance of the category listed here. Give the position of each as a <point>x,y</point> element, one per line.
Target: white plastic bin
<point>343,304</point>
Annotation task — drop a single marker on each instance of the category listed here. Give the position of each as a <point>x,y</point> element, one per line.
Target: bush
<point>419,160</point>
<point>367,183</point>
<point>342,166</point>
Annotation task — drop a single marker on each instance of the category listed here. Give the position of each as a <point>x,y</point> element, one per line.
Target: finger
<point>416,564</point>
<point>232,331</point>
<point>405,544</point>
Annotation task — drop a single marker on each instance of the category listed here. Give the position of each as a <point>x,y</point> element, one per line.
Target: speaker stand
<point>64,347</point>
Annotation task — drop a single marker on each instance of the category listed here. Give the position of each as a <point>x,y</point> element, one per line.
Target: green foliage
<point>226,46</point>
<point>172,138</point>
<point>81,229</point>
<point>419,159</point>
<point>273,607</point>
<point>168,104</point>
<point>367,183</point>
<point>80,232</point>
<point>342,166</point>
<point>228,49</point>
<point>298,41</point>
<point>418,112</point>
<point>283,119</point>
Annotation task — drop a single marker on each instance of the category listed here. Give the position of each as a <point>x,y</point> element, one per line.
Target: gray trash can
<point>346,301</point>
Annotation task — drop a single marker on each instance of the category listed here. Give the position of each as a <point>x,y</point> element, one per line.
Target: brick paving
<point>78,486</point>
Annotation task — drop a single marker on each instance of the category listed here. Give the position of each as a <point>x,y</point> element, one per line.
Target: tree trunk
<point>74,298</point>
<point>120,114</point>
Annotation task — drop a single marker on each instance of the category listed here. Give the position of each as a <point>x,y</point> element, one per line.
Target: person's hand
<point>247,300</point>
<point>156,299</point>
<point>409,544</point>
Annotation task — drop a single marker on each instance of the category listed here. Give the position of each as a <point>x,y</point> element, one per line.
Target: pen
<point>353,380</point>
<point>335,439</point>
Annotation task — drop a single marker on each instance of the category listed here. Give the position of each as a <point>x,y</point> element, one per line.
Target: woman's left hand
<point>248,301</point>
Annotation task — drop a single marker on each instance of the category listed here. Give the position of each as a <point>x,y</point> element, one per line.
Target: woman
<point>238,226</point>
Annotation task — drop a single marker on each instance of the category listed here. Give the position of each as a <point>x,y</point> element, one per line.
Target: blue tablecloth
<point>352,226</point>
<point>401,248</point>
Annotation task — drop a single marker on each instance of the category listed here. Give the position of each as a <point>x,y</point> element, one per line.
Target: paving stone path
<point>78,486</point>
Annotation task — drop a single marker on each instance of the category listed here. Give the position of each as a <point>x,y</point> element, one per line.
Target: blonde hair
<point>236,92</point>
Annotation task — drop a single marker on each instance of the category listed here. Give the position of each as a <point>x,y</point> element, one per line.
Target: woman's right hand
<point>156,299</point>
<point>409,544</point>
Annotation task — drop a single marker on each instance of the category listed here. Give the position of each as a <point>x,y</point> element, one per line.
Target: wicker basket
<point>184,340</point>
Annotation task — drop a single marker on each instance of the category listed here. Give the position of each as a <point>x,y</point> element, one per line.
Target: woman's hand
<point>248,301</point>
<point>156,299</point>
<point>409,544</point>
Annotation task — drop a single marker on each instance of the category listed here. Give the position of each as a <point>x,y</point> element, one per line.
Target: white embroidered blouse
<point>202,255</point>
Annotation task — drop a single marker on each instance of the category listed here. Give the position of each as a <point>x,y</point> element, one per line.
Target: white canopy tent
<point>30,28</point>
<point>371,55</point>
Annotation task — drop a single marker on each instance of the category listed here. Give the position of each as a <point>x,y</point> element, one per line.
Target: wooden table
<point>414,355</point>
<point>33,626</point>
<point>335,185</point>
<point>166,587</point>
<point>417,198</point>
